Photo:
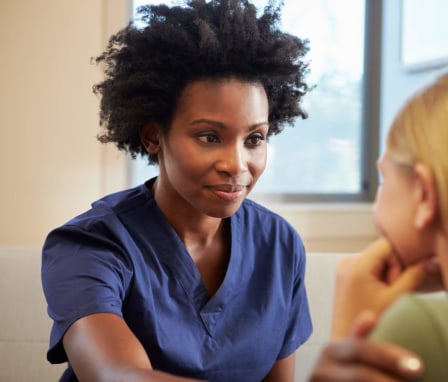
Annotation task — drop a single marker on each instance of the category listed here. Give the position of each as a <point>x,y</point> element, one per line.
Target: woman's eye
<point>209,138</point>
<point>255,140</point>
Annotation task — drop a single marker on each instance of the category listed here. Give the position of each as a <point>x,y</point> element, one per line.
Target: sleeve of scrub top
<point>83,272</point>
<point>300,327</point>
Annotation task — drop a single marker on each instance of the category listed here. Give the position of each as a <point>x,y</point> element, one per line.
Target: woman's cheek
<point>378,216</point>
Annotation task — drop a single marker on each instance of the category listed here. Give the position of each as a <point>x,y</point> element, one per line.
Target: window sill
<point>332,227</point>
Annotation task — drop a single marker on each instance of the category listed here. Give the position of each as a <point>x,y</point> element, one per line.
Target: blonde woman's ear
<point>426,196</point>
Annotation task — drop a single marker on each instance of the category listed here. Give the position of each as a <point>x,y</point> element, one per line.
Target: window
<point>331,155</point>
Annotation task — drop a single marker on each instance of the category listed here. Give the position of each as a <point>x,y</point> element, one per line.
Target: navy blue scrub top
<point>123,257</point>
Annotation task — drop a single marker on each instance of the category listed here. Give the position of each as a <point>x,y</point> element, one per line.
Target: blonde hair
<point>419,133</point>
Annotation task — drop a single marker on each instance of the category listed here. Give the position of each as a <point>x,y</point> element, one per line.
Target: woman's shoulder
<point>124,200</point>
<point>431,305</point>
<point>419,323</point>
<point>413,311</point>
<point>259,211</point>
<point>104,215</point>
<point>260,220</point>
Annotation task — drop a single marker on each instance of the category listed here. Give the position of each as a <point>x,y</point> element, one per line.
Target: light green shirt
<point>420,324</point>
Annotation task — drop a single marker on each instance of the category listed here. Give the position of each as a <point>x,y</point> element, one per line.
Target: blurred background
<point>366,58</point>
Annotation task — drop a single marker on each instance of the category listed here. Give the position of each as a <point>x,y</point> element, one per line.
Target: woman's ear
<point>150,138</point>
<point>426,196</point>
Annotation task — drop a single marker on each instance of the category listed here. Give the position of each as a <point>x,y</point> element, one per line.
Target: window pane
<point>322,154</point>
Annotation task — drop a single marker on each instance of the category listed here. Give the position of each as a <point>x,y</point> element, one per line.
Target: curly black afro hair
<point>147,68</point>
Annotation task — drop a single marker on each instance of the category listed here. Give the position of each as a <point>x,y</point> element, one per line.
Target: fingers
<point>434,278</point>
<point>371,280</point>
<point>410,279</point>
<point>375,251</point>
<point>425,276</point>
<point>362,360</point>
<point>372,259</point>
<point>378,249</point>
<point>379,259</point>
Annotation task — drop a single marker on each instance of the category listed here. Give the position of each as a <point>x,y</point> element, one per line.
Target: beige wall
<point>51,165</point>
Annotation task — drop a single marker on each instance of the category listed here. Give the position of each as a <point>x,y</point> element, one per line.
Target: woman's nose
<point>232,160</point>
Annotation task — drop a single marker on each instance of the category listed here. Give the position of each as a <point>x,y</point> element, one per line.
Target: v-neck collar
<point>184,270</point>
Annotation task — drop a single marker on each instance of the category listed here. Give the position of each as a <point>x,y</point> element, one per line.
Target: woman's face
<point>215,150</point>
<point>395,211</point>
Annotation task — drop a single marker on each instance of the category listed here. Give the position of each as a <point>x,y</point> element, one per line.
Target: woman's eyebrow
<point>208,121</point>
<point>222,125</point>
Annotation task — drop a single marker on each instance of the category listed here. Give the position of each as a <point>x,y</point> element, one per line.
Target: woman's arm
<point>282,371</point>
<point>101,347</point>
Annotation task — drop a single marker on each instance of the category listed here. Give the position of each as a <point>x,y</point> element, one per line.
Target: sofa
<point>25,326</point>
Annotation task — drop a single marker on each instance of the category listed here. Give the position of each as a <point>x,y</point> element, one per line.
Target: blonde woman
<point>411,213</point>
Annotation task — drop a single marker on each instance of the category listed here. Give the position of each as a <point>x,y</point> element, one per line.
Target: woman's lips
<point>228,192</point>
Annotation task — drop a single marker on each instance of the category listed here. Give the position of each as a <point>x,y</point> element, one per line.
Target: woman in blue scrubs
<point>183,277</point>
